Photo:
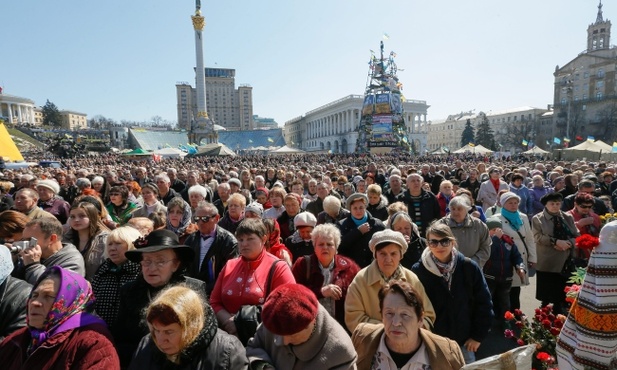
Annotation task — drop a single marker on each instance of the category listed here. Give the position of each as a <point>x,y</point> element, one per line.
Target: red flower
<point>520,342</point>
<point>538,311</point>
<point>508,333</point>
<point>557,324</point>
<point>519,324</point>
<point>543,356</point>
<point>555,331</point>
<point>518,312</point>
<point>547,324</point>
<point>508,316</point>
<point>587,242</point>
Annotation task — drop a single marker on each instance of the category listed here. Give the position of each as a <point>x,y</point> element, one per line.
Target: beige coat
<point>529,254</point>
<point>443,353</point>
<point>487,194</point>
<point>549,258</point>
<point>362,302</point>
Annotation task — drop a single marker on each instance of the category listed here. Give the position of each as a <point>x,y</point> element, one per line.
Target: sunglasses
<point>203,218</point>
<point>585,207</point>
<point>114,194</point>
<point>433,243</point>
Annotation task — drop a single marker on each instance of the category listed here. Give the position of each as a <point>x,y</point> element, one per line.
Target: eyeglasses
<point>203,218</point>
<point>585,207</point>
<point>433,243</point>
<point>114,194</point>
<point>157,264</point>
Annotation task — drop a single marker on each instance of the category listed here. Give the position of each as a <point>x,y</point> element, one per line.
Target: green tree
<point>51,115</point>
<point>484,133</point>
<point>468,134</point>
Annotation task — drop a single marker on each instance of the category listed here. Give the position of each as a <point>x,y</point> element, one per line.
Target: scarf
<point>496,184</point>
<point>73,306</point>
<point>446,269</point>
<point>360,221</point>
<point>514,218</point>
<point>185,222</point>
<point>397,275</point>
<point>560,229</point>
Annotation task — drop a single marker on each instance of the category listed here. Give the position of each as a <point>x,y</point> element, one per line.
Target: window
<point>586,74</point>
<point>599,95</point>
<point>564,101</point>
<point>599,84</point>
<point>600,73</point>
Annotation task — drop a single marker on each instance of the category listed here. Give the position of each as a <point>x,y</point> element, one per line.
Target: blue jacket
<point>504,257</point>
<point>465,310</point>
<point>526,205</point>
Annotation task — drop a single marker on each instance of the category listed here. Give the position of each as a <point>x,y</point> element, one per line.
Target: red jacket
<point>443,203</point>
<point>87,348</point>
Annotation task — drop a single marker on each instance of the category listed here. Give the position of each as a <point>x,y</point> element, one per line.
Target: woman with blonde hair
<point>184,335</point>
<point>114,272</point>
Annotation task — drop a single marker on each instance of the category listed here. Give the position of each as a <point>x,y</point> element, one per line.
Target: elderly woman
<point>292,203</point>
<point>245,280</point>
<point>377,202</point>
<point>537,191</point>
<point>471,234</point>
<point>62,332</point>
<point>89,234</point>
<point>325,272</point>
<point>197,193</point>
<point>13,296</point>
<point>163,263</point>
<point>119,207</point>
<point>401,342</point>
<point>179,218</point>
<point>184,335</point>
<point>234,214</point>
<point>152,204</point>
<point>401,222</point>
<point>50,201</point>
<point>361,305</point>
<point>357,230</point>
<point>333,212</point>
<point>516,225</point>
<point>298,333</point>
<point>444,196</point>
<point>554,232</point>
<point>586,221</point>
<point>489,189</point>
<point>456,287</point>
<point>114,272</point>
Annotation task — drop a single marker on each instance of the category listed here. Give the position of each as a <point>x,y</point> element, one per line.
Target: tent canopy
<point>170,153</point>
<point>214,150</point>
<point>438,151</point>
<point>137,152</point>
<point>591,146</point>
<point>287,150</point>
<point>536,150</point>
<point>473,149</point>
<point>8,149</point>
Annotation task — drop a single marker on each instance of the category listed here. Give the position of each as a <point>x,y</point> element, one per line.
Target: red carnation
<point>518,312</point>
<point>519,324</point>
<point>508,315</point>
<point>558,324</point>
<point>587,242</point>
<point>543,356</point>
<point>520,342</point>
<point>555,331</point>
<point>547,324</point>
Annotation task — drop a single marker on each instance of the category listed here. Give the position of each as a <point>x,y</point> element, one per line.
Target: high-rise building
<point>228,106</point>
<point>585,92</point>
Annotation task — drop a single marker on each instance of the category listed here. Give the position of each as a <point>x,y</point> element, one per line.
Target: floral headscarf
<point>71,309</point>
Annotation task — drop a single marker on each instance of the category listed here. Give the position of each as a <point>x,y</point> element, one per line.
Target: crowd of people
<point>368,262</point>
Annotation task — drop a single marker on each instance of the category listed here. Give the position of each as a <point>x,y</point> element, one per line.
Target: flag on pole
<point>579,138</point>
<point>556,140</point>
<point>250,141</point>
<point>548,142</point>
<point>567,140</point>
<point>472,145</point>
<point>386,36</point>
<point>591,138</point>
<point>614,146</point>
<point>525,142</point>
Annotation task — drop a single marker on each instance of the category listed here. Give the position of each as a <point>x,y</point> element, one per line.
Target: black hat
<point>159,240</point>
<point>555,197</point>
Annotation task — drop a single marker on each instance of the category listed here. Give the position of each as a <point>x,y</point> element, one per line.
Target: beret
<point>388,236</point>
<point>289,309</point>
<point>49,184</point>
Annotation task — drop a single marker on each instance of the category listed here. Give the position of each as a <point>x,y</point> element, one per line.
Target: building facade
<point>74,120</point>
<point>228,106</point>
<point>585,91</point>
<point>16,110</point>
<point>333,126</point>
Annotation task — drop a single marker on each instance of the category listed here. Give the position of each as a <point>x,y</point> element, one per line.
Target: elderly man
<point>223,191</point>
<point>422,205</point>
<point>26,201</point>
<point>141,176</point>
<point>175,183</point>
<point>213,245</point>
<point>192,178</point>
<point>316,206</point>
<point>166,193</point>
<point>48,251</point>
<point>396,192</point>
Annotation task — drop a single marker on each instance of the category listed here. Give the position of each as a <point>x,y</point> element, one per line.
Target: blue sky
<point>122,59</point>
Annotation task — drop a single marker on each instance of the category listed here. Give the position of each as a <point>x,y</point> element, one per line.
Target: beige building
<point>74,120</point>
<point>228,106</point>
<point>585,92</point>
<point>333,126</point>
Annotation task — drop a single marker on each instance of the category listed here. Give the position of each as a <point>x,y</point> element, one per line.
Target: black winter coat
<point>13,296</point>
<point>429,209</point>
<point>354,244</point>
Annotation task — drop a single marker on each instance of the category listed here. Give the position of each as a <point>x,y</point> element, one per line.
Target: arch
<point>329,146</point>
<point>344,148</point>
<point>336,147</point>
<point>322,146</point>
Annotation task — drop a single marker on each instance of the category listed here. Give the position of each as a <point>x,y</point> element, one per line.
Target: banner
<point>382,131</point>
<point>369,102</point>
<point>382,104</point>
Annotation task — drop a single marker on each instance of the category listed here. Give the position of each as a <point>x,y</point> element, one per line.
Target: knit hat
<point>357,179</point>
<point>289,309</point>
<point>493,223</point>
<point>355,196</point>
<point>234,181</point>
<point>49,184</point>
<point>256,208</point>
<point>388,236</point>
<point>305,219</point>
<point>557,180</point>
<point>506,196</point>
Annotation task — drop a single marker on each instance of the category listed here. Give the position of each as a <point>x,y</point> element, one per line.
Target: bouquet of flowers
<point>606,218</point>
<point>577,281</point>
<point>542,330</point>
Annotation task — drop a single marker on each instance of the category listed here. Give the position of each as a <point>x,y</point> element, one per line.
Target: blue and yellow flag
<point>614,146</point>
<point>525,142</point>
<point>591,138</point>
<point>557,140</point>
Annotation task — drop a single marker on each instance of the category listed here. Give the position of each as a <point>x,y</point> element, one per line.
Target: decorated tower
<point>382,126</point>
<point>202,127</point>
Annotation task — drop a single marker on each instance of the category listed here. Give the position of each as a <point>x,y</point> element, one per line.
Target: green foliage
<point>468,134</point>
<point>484,133</point>
<point>51,115</point>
